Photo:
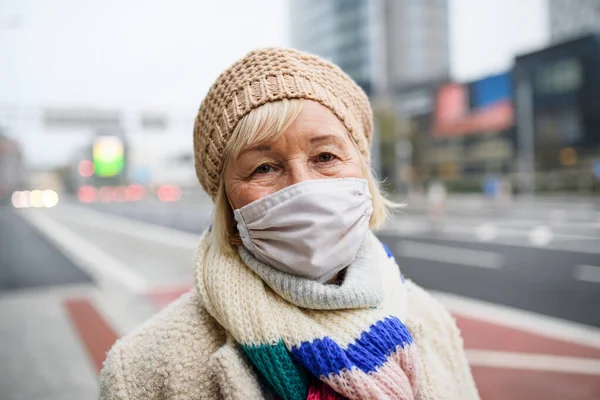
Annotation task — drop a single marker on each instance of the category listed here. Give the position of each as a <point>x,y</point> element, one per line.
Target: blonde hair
<point>266,124</point>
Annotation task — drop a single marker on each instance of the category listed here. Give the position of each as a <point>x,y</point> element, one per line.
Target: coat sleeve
<point>445,368</point>
<point>167,357</point>
<point>462,370</point>
<point>112,379</point>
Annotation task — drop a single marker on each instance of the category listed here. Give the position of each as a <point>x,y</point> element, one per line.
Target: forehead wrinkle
<point>327,138</point>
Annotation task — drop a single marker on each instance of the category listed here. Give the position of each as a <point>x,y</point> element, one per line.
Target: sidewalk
<point>54,340</point>
<point>67,340</point>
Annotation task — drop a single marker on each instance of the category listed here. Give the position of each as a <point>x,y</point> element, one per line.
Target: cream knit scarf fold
<point>363,352</point>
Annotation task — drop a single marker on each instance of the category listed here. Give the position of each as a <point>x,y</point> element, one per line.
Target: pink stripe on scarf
<point>396,379</point>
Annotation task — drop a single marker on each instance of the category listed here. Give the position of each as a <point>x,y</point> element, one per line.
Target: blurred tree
<point>385,124</point>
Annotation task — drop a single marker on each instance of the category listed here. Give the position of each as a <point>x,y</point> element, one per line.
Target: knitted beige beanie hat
<point>268,75</point>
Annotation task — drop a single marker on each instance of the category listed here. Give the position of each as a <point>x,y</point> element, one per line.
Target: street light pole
<point>525,136</point>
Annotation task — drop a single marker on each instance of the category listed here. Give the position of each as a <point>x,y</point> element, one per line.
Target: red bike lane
<point>508,362</point>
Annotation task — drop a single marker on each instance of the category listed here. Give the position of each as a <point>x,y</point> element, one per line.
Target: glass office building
<point>568,19</point>
<point>382,44</point>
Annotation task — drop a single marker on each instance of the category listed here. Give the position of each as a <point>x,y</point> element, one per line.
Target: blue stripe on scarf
<point>323,356</point>
<point>387,251</point>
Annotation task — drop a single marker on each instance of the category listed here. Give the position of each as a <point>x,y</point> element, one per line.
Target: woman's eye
<point>325,157</point>
<point>263,169</point>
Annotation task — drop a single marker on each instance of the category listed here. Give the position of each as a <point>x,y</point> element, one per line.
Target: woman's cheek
<point>244,193</point>
<point>346,169</point>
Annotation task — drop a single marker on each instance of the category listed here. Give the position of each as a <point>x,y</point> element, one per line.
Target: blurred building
<point>568,19</point>
<point>12,170</point>
<point>559,115</point>
<point>382,44</point>
<point>465,134</point>
<point>537,125</point>
<point>417,41</point>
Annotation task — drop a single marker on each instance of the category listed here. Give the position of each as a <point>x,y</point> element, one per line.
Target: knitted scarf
<point>315,341</point>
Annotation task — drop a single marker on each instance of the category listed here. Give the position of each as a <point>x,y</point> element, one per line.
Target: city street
<point>523,290</point>
<point>478,119</point>
<point>543,258</point>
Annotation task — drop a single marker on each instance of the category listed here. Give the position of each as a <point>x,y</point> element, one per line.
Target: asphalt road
<point>27,259</point>
<point>533,279</point>
<point>508,270</point>
<point>193,218</point>
<point>137,265</point>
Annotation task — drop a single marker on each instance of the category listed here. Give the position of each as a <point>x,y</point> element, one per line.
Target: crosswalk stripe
<point>587,273</point>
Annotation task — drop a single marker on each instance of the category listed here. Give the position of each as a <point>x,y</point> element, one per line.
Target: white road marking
<point>535,362</point>
<point>587,273</point>
<point>541,236</point>
<point>486,232</point>
<point>99,264</point>
<point>505,236</point>
<point>447,254</point>
<point>528,321</point>
<point>131,227</point>
<point>452,227</point>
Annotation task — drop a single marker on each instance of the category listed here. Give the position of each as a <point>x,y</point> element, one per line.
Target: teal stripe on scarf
<point>276,365</point>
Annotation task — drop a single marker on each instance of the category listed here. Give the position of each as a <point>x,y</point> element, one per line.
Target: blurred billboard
<point>108,156</point>
<point>480,106</point>
<point>491,90</point>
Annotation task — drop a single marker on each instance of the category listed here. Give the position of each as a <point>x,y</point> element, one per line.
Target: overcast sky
<point>142,53</point>
<point>158,53</point>
<point>486,34</point>
<point>164,54</point>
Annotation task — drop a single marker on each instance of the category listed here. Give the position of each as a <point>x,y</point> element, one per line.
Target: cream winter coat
<point>182,354</point>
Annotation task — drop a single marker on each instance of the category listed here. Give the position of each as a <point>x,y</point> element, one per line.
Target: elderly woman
<point>294,296</point>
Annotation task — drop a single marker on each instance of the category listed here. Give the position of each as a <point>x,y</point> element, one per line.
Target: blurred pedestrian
<point>294,296</point>
<point>436,205</point>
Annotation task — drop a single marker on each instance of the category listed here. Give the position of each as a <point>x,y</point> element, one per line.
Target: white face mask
<point>312,229</point>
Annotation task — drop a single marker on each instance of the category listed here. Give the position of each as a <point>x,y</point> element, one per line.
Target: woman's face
<point>315,146</point>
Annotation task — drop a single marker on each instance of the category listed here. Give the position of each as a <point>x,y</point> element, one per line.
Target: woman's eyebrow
<point>257,148</point>
<point>325,138</point>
